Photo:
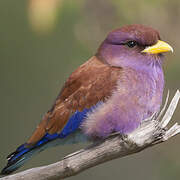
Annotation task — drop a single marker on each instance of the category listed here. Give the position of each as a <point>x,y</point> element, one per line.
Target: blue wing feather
<point>23,152</point>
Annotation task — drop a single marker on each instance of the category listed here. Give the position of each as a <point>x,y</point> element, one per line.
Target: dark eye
<point>131,44</point>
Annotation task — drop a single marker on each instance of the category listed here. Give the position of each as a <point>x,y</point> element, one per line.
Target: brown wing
<point>92,82</point>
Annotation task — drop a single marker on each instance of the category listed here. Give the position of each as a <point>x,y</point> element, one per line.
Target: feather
<point>92,82</point>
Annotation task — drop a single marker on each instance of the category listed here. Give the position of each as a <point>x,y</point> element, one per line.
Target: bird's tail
<point>18,158</point>
<point>24,152</point>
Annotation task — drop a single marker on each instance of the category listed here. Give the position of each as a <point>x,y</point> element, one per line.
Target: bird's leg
<point>122,136</point>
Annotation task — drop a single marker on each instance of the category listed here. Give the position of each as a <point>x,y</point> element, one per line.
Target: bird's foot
<point>122,136</point>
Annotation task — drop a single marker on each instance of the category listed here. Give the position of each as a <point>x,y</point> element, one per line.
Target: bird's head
<point>133,45</point>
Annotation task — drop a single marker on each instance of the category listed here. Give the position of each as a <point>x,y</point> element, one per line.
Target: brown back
<point>92,82</point>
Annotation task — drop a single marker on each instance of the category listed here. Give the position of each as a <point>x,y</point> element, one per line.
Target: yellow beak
<point>159,47</point>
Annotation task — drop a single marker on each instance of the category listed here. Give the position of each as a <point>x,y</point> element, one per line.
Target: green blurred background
<point>43,41</point>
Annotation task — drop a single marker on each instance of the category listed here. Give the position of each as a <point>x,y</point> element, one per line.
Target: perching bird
<point>114,91</point>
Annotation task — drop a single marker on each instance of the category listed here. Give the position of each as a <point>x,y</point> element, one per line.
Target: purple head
<point>133,46</point>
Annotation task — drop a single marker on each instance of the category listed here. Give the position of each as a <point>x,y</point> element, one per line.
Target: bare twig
<point>151,132</point>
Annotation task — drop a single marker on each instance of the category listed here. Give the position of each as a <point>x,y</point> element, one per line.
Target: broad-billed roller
<point>114,91</point>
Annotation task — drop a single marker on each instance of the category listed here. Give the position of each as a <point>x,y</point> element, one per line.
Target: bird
<point>113,92</point>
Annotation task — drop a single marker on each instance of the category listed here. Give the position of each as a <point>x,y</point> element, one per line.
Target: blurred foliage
<point>43,14</point>
<point>43,41</point>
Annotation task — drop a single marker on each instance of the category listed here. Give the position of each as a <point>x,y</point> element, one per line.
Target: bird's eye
<point>131,44</point>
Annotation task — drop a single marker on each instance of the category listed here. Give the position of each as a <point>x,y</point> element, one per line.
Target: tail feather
<point>69,135</point>
<point>18,158</point>
<point>24,152</point>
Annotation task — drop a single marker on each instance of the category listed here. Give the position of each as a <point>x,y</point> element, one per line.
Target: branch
<point>151,132</point>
